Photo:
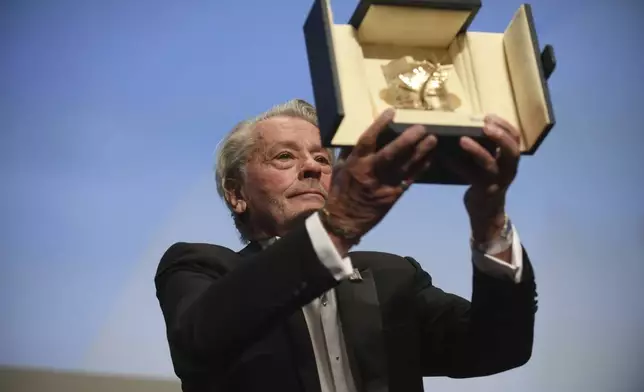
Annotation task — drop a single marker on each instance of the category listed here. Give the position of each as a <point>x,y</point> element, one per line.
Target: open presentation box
<point>487,72</point>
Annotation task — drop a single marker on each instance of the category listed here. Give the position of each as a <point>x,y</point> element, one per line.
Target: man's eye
<point>323,159</point>
<point>284,156</point>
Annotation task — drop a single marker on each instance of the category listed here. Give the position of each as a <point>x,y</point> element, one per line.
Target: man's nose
<point>311,168</point>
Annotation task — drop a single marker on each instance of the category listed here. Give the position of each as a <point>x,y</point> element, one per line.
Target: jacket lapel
<point>363,333</point>
<point>304,356</point>
<point>360,316</point>
<point>298,333</point>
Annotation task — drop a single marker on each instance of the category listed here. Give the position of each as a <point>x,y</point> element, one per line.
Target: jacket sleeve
<point>216,304</point>
<point>491,334</point>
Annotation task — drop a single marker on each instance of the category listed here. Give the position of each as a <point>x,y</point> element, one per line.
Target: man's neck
<point>271,232</point>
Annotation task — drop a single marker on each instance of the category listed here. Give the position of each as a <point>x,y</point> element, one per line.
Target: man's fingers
<point>422,158</point>
<point>470,173</point>
<point>505,125</point>
<point>509,150</point>
<point>369,139</point>
<point>506,142</point>
<point>402,144</point>
<point>421,155</point>
<point>480,155</point>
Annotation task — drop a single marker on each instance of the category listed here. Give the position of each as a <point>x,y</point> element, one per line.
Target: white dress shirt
<point>323,321</point>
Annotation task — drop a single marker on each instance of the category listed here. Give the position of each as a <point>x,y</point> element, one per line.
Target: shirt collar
<point>268,242</point>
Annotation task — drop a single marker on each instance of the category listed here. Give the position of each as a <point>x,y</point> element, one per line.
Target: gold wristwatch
<point>497,245</point>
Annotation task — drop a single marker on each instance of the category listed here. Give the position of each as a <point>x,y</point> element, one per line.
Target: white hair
<point>235,148</point>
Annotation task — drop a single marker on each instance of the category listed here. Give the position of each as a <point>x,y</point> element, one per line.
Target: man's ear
<point>235,196</point>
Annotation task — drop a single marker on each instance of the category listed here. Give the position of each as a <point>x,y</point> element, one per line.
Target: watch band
<point>498,245</point>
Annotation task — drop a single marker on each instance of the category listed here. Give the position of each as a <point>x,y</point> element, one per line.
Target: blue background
<point>109,115</point>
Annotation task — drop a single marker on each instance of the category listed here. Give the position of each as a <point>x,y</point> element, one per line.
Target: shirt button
<point>337,358</point>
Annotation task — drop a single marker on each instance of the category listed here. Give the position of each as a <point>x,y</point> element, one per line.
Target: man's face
<point>288,175</point>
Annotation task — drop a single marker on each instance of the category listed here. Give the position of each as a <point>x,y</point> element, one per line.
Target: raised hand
<point>368,181</point>
<point>491,177</point>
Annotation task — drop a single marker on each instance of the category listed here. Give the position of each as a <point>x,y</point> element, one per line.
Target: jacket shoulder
<point>383,260</point>
<point>197,256</point>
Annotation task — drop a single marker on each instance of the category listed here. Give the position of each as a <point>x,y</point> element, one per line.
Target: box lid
<point>322,66</point>
<point>411,22</point>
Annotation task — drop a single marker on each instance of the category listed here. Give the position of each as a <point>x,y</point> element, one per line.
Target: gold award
<point>420,85</point>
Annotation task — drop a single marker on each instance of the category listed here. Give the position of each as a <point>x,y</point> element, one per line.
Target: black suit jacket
<point>234,320</point>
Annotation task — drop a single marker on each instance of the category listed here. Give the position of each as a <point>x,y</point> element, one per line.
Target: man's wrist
<point>498,242</point>
<point>341,244</point>
<point>342,237</point>
<point>486,211</point>
<point>486,229</point>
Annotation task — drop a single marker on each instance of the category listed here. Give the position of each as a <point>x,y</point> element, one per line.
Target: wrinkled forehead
<point>283,129</point>
<point>291,132</point>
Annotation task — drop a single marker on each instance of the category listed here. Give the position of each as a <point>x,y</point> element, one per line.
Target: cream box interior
<point>488,72</point>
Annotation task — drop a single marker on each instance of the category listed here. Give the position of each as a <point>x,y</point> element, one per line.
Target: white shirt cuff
<point>498,268</point>
<point>340,268</point>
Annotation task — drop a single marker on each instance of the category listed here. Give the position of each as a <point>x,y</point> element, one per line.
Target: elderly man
<point>296,310</point>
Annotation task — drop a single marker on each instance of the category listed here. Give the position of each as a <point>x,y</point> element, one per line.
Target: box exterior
<point>448,148</point>
<point>546,63</point>
<point>331,108</point>
<point>324,76</point>
<point>472,6</point>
